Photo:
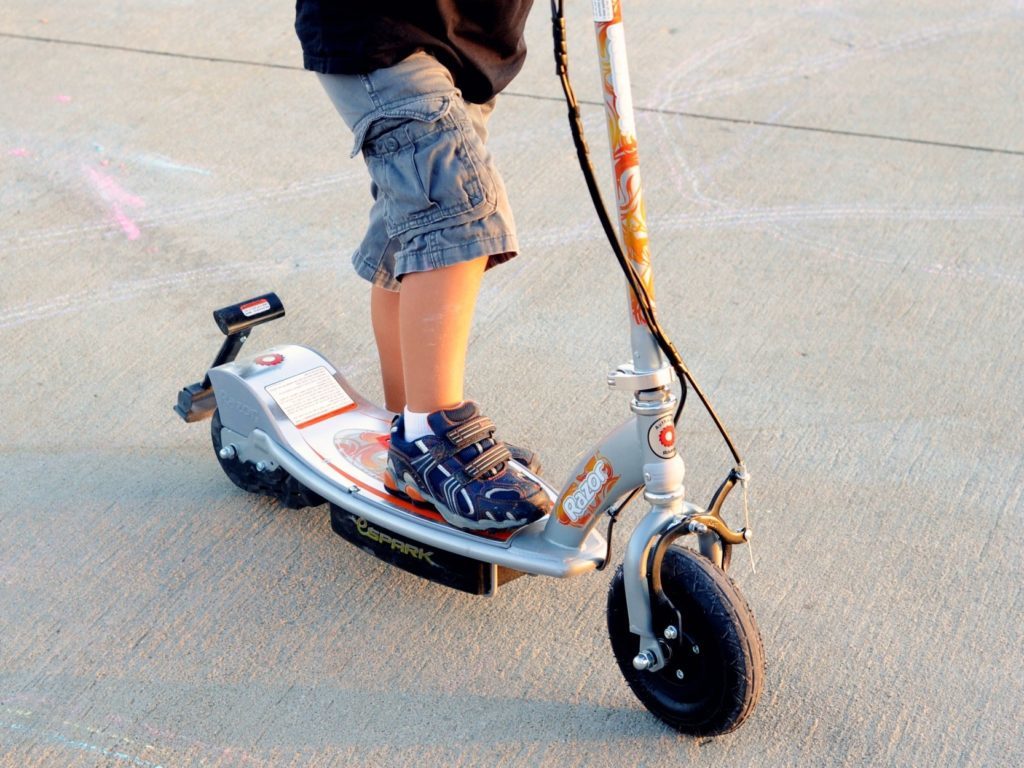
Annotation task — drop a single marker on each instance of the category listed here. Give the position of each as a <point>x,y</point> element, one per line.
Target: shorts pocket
<point>426,167</point>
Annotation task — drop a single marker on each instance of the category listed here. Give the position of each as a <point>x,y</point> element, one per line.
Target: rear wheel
<point>276,483</point>
<point>715,674</point>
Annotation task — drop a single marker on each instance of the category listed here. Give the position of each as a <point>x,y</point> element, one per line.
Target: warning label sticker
<point>310,397</point>
<point>255,307</point>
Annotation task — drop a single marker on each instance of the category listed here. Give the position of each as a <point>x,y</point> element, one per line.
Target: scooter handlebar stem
<point>618,103</point>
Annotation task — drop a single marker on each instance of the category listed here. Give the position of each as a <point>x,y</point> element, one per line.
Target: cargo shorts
<point>437,197</point>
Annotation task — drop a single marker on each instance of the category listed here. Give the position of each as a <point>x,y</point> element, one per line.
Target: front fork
<point>652,616</point>
<point>663,490</point>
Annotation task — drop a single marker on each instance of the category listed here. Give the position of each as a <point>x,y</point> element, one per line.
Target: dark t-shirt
<point>479,41</point>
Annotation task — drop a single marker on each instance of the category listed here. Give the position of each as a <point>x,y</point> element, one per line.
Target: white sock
<point>416,425</point>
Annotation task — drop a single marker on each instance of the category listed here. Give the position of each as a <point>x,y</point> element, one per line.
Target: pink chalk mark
<point>63,98</point>
<point>19,152</point>
<point>130,228</point>
<point>118,199</point>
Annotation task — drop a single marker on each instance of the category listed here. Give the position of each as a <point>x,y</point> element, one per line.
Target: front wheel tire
<point>714,677</point>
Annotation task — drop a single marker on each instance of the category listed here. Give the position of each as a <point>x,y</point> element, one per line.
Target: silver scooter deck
<point>288,407</point>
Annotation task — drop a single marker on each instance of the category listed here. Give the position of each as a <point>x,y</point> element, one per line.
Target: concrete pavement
<point>836,203</point>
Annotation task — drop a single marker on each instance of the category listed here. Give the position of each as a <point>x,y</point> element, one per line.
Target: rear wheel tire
<point>276,483</point>
<point>714,677</point>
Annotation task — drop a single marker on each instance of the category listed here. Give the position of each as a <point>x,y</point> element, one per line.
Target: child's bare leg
<point>435,314</point>
<point>384,315</point>
<point>443,452</point>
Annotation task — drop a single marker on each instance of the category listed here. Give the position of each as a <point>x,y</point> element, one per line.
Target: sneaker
<point>523,456</point>
<point>464,473</point>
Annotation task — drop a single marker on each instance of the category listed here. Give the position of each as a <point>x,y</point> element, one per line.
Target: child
<point>415,80</point>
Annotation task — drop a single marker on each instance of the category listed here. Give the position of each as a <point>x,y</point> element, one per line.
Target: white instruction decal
<point>310,396</point>
<point>604,10</point>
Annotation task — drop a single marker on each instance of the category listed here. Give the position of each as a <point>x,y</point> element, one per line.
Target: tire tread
<point>724,606</point>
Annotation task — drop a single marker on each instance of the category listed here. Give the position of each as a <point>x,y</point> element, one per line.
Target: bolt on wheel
<point>714,677</point>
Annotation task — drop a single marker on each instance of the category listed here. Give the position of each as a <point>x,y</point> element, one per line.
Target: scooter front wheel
<point>714,677</point>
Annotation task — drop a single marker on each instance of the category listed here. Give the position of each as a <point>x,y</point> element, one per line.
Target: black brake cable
<point>636,285</point>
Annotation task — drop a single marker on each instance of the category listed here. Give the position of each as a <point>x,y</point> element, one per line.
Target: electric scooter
<point>286,424</point>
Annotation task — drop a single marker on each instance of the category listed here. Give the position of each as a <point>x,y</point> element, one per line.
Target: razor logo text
<point>585,495</point>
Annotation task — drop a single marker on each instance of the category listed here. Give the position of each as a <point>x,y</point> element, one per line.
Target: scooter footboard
<point>527,549</point>
<point>287,408</point>
<point>437,565</point>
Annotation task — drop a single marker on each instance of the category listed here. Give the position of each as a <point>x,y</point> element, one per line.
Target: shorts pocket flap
<point>427,109</point>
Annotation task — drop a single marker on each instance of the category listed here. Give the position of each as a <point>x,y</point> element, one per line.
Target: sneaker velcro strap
<point>472,431</point>
<point>493,457</point>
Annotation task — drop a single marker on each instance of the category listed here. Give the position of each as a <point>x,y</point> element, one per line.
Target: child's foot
<point>524,456</point>
<point>464,473</point>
